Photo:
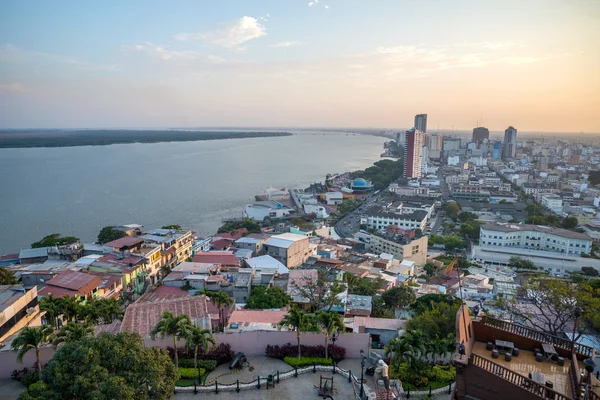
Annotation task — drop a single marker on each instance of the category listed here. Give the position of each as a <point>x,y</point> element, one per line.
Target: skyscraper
<point>497,151</point>
<point>413,153</point>
<point>480,134</point>
<point>421,122</point>
<point>510,143</point>
<point>435,142</point>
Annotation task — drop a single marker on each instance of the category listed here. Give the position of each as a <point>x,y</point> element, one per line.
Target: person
<point>382,369</point>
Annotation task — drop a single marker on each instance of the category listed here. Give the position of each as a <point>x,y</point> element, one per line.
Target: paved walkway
<point>10,389</point>
<point>263,366</point>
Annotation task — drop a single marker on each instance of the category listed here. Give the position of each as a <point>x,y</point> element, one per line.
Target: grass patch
<point>306,361</point>
<point>185,382</point>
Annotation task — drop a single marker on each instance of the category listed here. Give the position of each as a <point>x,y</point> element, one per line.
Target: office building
<point>413,153</point>
<point>510,143</point>
<point>378,218</point>
<point>450,144</point>
<point>435,142</point>
<point>480,134</point>
<point>421,122</point>
<point>497,150</point>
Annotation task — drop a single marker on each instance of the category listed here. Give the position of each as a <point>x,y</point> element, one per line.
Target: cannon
<point>237,361</point>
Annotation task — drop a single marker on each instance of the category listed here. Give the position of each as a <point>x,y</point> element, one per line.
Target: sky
<point>531,64</point>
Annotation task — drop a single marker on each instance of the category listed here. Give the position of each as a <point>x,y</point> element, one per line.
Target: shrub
<point>291,350</point>
<point>444,373</point>
<point>17,374</point>
<point>419,381</point>
<point>222,354</point>
<point>30,378</point>
<point>189,373</point>
<point>208,365</point>
<point>305,361</point>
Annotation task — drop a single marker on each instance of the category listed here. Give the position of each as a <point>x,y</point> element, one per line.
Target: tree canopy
<point>381,173</point>
<point>569,223</point>
<point>251,225</point>
<point>263,297</point>
<point>172,226</point>
<point>108,234</point>
<point>452,210</point>
<point>54,239</point>
<point>363,286</point>
<point>521,263</point>
<point>436,320</point>
<point>7,277</point>
<point>399,296</point>
<point>106,367</point>
<point>467,216</point>
<point>321,293</point>
<point>594,177</point>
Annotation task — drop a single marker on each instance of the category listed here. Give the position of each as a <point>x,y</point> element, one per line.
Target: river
<point>76,191</point>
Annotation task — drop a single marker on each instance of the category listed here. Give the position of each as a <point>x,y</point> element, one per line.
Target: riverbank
<point>73,138</point>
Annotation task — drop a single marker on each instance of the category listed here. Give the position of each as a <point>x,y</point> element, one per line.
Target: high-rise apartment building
<point>497,151</point>
<point>480,134</point>
<point>510,143</point>
<point>435,142</point>
<point>421,122</point>
<point>413,153</point>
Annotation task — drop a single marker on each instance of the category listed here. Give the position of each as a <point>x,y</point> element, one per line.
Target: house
<point>18,308</point>
<point>267,265</point>
<point>226,259</point>
<point>269,208</point>
<point>255,320</point>
<point>112,285</point>
<point>382,330</point>
<point>72,284</point>
<point>32,256</point>
<point>142,317</point>
<point>126,243</point>
<point>252,242</point>
<point>358,306</point>
<point>221,244</point>
<point>176,246</point>
<point>290,249</point>
<point>301,277</point>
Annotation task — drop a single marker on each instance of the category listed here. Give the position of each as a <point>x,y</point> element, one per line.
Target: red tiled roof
<point>330,261</point>
<point>224,258</point>
<point>56,292</point>
<point>163,293</point>
<point>76,281</point>
<point>126,241</point>
<point>260,316</point>
<point>221,244</point>
<point>14,256</point>
<point>143,317</point>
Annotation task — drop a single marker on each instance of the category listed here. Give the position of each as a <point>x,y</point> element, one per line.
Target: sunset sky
<point>533,64</point>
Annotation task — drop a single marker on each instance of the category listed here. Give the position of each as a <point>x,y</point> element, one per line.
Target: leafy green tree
<point>263,298</point>
<point>453,242</point>
<point>174,326</point>
<point>570,223</point>
<point>52,307</point>
<point>452,210</point>
<point>594,177</point>
<point>106,367</point>
<point>70,307</point>
<point>321,293</point>
<point>467,216</point>
<point>7,277</point>
<point>299,321</point>
<point>250,224</point>
<point>363,286</point>
<point>435,239</point>
<point>222,300</point>
<point>54,239</point>
<point>329,322</point>
<point>471,229</point>
<point>399,296</point>
<point>438,321</point>
<point>589,271</point>
<point>199,339</point>
<point>71,332</point>
<point>108,234</point>
<point>31,339</point>
<point>521,263</point>
<point>381,309</point>
<point>429,269</point>
<point>172,226</point>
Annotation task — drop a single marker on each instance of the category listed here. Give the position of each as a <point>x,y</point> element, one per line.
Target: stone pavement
<point>10,389</point>
<point>263,366</point>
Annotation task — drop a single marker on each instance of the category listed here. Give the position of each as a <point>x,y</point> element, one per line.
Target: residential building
<point>449,144</point>
<point>334,198</point>
<point>378,218</point>
<point>382,330</point>
<point>33,256</point>
<point>482,373</point>
<point>358,306</point>
<point>421,122</point>
<point>400,246</point>
<point>480,134</point>
<point>288,248</point>
<point>553,202</point>
<point>435,142</point>
<point>413,154</point>
<point>255,320</point>
<point>253,242</point>
<point>125,244</point>
<point>266,209</point>
<point>18,308</point>
<point>510,143</point>
<point>72,284</point>
<point>226,259</point>
<point>176,246</point>
<point>535,237</point>
<point>593,231</point>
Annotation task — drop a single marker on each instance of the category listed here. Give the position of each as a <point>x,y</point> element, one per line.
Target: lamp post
<point>577,312</point>
<point>362,372</point>
<point>590,365</point>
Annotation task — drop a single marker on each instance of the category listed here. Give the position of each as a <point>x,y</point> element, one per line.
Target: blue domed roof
<point>360,182</point>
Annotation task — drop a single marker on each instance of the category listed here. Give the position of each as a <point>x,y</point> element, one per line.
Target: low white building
<point>317,209</point>
<point>380,219</point>
<point>270,208</point>
<point>453,160</point>
<point>334,198</point>
<point>553,202</point>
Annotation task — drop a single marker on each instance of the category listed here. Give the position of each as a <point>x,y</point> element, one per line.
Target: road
<point>349,224</point>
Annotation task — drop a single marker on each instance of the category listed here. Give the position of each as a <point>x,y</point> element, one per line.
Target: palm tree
<point>350,279</point>
<point>70,307</point>
<point>199,338</point>
<point>52,308</point>
<point>72,332</point>
<point>329,322</point>
<point>221,299</point>
<point>31,338</point>
<point>300,321</point>
<point>175,326</point>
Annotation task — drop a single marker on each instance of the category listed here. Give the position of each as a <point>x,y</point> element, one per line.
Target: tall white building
<point>413,153</point>
<point>424,160</point>
<point>510,143</point>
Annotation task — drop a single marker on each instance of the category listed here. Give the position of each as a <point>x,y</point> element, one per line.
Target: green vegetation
<point>429,269</point>
<point>381,173</point>
<point>299,321</point>
<point>569,223</point>
<point>521,264</point>
<point>250,224</point>
<point>263,297</point>
<point>302,224</point>
<point>306,361</point>
<point>172,226</point>
<point>348,206</point>
<point>31,339</point>
<point>381,310</point>
<point>190,373</point>
<point>467,216</point>
<point>437,320</point>
<point>450,242</point>
<point>470,229</point>
<point>451,210</point>
<point>221,299</point>
<point>321,293</point>
<point>438,376</point>
<point>71,332</point>
<point>399,297</point>
<point>594,177</point>
<point>93,312</point>
<point>363,286</point>
<point>174,326</point>
<point>7,277</point>
<point>589,271</point>
<point>108,234</point>
<point>54,239</point>
<point>329,322</point>
<point>106,367</point>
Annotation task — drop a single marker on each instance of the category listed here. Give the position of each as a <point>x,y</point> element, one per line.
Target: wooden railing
<point>574,377</point>
<point>541,337</point>
<point>516,379</point>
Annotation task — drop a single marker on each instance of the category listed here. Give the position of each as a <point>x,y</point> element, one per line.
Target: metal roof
<point>267,262</point>
<point>34,253</point>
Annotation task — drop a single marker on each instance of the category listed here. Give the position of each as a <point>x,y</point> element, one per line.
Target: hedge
<point>189,373</point>
<point>222,354</point>
<point>304,361</point>
<point>291,350</point>
<point>208,365</point>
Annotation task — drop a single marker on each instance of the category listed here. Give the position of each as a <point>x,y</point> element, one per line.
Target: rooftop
<point>359,305</point>
<point>34,253</point>
<point>260,316</point>
<point>284,240</point>
<point>377,211</point>
<point>196,267</point>
<point>126,241</point>
<point>267,263</point>
<point>216,257</point>
<point>9,294</point>
<point>76,281</point>
<point>536,228</point>
<point>379,323</point>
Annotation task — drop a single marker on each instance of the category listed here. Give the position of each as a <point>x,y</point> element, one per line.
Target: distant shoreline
<point>75,138</point>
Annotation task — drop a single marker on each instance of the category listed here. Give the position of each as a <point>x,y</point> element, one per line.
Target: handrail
<point>541,337</point>
<point>574,377</point>
<point>516,378</point>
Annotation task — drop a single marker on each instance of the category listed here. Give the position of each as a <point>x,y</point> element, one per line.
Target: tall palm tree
<point>221,299</point>
<point>351,279</point>
<point>70,307</point>
<point>52,308</point>
<point>329,322</point>
<point>29,339</point>
<point>72,332</point>
<point>199,338</point>
<point>300,321</point>
<point>175,326</point>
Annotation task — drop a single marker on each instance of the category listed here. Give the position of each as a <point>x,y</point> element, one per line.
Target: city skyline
<point>322,63</point>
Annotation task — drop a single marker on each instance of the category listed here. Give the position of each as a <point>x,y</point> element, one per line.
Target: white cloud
<point>154,50</point>
<point>311,3</point>
<point>230,36</point>
<point>326,6</point>
<point>288,44</point>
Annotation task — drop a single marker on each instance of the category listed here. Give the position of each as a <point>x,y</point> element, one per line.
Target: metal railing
<point>263,382</point>
<point>541,337</point>
<point>516,379</point>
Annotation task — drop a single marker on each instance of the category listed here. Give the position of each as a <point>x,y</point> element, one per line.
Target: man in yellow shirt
<point>382,369</point>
